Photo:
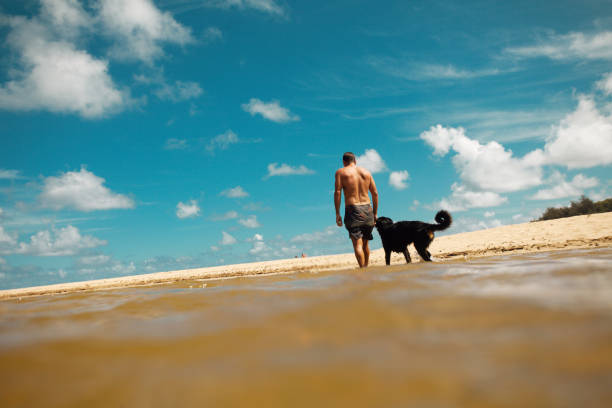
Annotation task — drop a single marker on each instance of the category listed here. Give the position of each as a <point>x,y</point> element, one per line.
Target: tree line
<point>581,207</point>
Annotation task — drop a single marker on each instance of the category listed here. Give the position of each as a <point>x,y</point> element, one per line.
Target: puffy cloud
<point>286,170</point>
<point>222,141</point>
<point>605,84</point>
<point>83,191</point>
<point>227,239</point>
<point>270,110</point>
<point>371,161</point>
<point>66,16</point>
<point>236,192</point>
<point>398,179</point>
<point>569,46</point>
<point>140,28</point>
<point>53,75</point>
<point>259,246</point>
<point>65,241</point>
<point>187,210</point>
<point>487,167</point>
<point>462,199</point>
<point>563,188</point>
<point>583,138</point>
<point>489,214</point>
<point>250,222</point>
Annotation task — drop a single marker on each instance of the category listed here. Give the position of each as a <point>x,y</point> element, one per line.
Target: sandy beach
<point>586,231</point>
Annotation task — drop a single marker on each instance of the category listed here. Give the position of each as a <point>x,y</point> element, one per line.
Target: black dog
<point>396,236</point>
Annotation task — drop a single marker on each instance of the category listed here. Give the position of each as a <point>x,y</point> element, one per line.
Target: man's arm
<point>338,198</point>
<point>374,193</point>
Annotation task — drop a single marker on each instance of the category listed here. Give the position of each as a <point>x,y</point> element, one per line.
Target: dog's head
<point>382,223</point>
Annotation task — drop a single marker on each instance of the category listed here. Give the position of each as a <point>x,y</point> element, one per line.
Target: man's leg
<point>366,252</point>
<point>358,247</point>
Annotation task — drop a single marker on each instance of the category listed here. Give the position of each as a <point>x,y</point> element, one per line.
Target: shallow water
<point>522,330</point>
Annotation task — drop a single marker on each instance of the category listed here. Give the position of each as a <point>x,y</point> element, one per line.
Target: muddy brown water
<point>520,330</point>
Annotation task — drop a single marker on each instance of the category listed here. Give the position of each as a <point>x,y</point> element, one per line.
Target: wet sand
<point>520,330</point>
<point>586,231</point>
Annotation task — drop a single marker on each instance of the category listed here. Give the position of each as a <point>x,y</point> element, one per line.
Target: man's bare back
<point>356,183</point>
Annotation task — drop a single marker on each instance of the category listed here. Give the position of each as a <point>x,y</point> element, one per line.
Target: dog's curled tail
<point>444,220</point>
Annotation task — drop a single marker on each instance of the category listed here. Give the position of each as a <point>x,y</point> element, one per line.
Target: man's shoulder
<point>363,171</point>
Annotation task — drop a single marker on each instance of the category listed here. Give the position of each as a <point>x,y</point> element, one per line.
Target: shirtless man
<point>359,218</point>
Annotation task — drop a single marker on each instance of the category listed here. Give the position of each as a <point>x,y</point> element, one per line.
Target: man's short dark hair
<point>349,157</point>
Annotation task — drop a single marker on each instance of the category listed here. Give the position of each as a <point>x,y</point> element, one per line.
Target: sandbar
<point>584,231</point>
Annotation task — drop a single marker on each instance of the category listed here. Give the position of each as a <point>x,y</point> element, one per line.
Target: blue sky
<point>141,136</point>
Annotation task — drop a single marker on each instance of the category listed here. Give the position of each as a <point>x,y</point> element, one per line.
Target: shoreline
<point>579,232</point>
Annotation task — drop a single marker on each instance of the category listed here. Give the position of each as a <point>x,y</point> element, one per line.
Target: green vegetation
<point>584,206</point>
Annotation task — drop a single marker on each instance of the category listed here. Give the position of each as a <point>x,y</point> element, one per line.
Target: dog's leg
<point>407,255</point>
<point>387,257</point>
<point>422,250</point>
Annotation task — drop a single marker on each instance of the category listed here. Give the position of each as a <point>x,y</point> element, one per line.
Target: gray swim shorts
<point>359,221</point>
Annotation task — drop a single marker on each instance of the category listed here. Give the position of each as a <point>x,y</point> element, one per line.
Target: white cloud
<point>187,210</point>
<point>140,28</point>
<point>175,144</point>
<point>569,46</point>
<point>397,179</point>
<point>462,199</point>
<point>83,191</point>
<point>236,192</point>
<point>222,141</point>
<point>66,16</point>
<point>583,138</point>
<point>103,264</point>
<point>53,75</point>
<point>65,241</point>
<point>9,174</point>
<point>371,161</point>
<point>487,167</point>
<point>6,240</point>
<point>461,224</point>
<point>230,215</point>
<point>212,34</point>
<point>94,260</point>
<point>331,233</point>
<point>605,84</point>
<point>227,239</point>
<point>271,111</point>
<point>412,71</point>
<point>180,91</point>
<point>266,6</point>
<point>286,170</point>
<point>562,188</point>
<point>259,246</point>
<point>250,222</point>
<point>489,214</point>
